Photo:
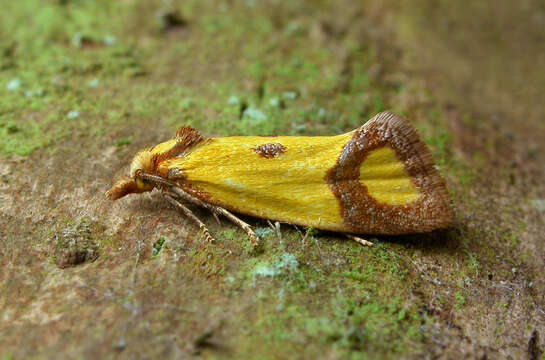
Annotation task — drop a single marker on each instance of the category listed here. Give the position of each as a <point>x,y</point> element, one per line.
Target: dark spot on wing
<point>270,151</point>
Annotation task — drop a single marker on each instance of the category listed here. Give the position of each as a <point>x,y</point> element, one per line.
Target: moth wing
<point>277,178</point>
<point>386,181</point>
<point>377,179</point>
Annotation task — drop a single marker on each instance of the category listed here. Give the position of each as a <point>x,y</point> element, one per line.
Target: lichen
<point>75,245</point>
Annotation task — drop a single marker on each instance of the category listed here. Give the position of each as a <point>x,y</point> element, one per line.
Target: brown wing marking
<point>362,213</point>
<point>270,150</point>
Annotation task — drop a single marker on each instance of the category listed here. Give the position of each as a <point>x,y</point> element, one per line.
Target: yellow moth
<point>377,179</point>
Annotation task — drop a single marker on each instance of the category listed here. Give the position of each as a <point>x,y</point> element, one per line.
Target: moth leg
<point>254,239</point>
<point>217,218</point>
<point>244,226</point>
<point>359,240</point>
<point>190,215</point>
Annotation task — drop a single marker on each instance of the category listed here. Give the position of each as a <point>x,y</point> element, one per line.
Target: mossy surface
<point>86,84</point>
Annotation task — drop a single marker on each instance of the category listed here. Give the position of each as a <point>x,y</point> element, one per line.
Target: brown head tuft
<point>186,137</point>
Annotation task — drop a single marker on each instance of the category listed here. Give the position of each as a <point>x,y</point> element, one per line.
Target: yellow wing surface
<point>378,179</point>
<point>367,180</point>
<point>289,186</point>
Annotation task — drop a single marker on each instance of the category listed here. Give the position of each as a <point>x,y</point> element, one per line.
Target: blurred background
<point>85,84</point>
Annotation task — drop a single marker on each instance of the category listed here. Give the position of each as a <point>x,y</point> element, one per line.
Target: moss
<point>158,246</point>
<point>51,72</point>
<point>228,235</point>
<point>368,326</point>
<point>209,261</point>
<point>123,141</point>
<point>354,327</point>
<point>75,244</point>
<point>366,274</point>
<point>511,238</point>
<point>305,299</point>
<point>460,300</point>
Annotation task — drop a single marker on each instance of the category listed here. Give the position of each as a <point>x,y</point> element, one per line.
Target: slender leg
<point>359,240</point>
<point>216,210</point>
<point>276,228</point>
<point>254,239</point>
<point>217,218</point>
<point>190,215</point>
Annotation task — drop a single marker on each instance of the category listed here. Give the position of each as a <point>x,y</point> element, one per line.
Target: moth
<point>377,179</point>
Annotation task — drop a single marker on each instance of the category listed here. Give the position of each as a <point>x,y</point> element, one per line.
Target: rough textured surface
<point>85,84</point>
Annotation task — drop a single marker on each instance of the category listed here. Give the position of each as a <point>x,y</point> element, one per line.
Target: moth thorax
<point>143,161</point>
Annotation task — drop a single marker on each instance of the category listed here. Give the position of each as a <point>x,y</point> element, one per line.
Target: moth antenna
<point>154,178</point>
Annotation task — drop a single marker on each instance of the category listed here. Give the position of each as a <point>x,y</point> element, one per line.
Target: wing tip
<point>419,161</point>
<point>363,213</point>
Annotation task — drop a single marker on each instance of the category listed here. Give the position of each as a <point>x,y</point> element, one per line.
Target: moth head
<point>143,172</point>
<point>125,186</point>
<point>142,163</point>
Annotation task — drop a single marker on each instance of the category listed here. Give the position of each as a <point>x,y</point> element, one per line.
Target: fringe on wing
<point>364,214</point>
